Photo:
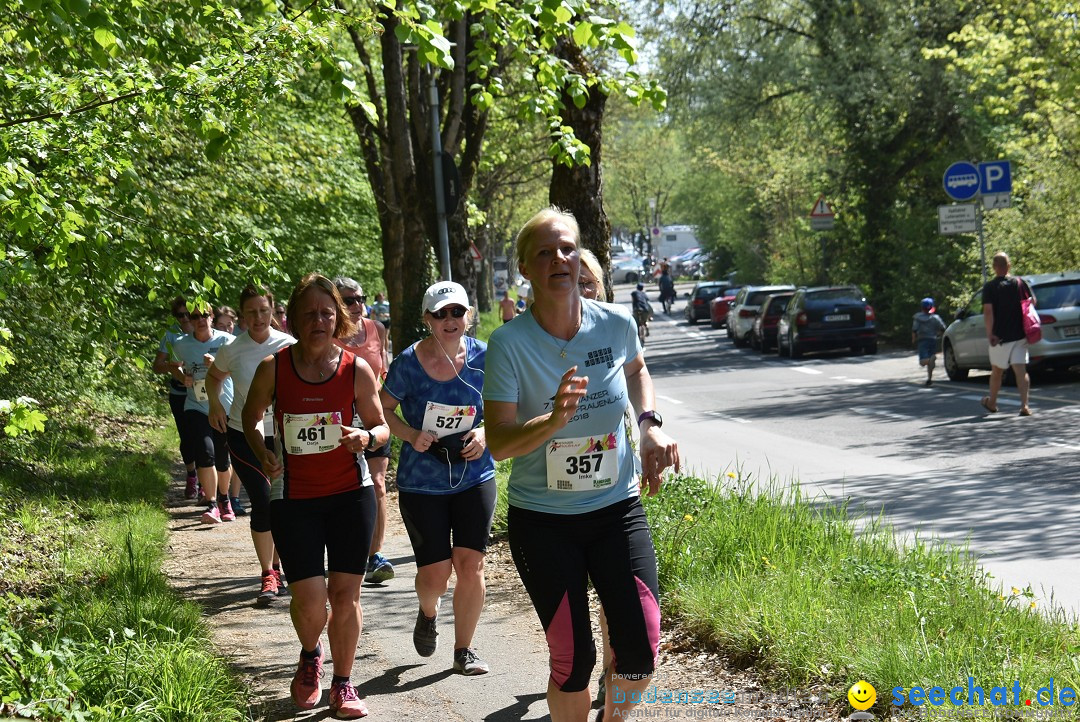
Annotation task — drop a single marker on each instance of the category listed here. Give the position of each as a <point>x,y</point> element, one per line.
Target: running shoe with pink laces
<point>282,590</point>
<point>226,510</point>
<point>269,590</point>
<point>212,515</point>
<point>305,688</point>
<point>192,487</point>
<point>345,703</point>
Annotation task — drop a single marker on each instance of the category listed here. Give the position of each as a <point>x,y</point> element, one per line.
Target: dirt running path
<point>215,566</point>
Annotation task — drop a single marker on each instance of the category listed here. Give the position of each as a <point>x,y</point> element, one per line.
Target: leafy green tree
<point>467,57</point>
<point>1018,59</point>
<point>114,123</point>
<point>822,96</point>
<point>646,162</point>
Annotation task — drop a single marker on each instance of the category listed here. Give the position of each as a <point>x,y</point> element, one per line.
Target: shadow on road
<point>1011,513</point>
<point>516,711</point>
<point>1018,510</point>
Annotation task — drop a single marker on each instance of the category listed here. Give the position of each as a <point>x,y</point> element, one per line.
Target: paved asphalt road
<point>865,429</point>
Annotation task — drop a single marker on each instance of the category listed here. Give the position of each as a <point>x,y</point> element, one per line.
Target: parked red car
<point>718,308</point>
<point>763,336</point>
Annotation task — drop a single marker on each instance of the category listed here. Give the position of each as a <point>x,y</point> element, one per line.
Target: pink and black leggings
<point>558,554</point>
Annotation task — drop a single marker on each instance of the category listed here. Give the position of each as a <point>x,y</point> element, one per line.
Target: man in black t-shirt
<point>1003,316</point>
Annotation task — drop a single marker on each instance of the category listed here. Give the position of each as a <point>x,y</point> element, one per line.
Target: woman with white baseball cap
<point>445,476</point>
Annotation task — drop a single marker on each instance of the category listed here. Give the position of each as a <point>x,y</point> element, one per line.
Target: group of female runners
<point>309,426</point>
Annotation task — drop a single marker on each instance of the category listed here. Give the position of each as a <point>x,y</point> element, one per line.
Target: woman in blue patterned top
<point>445,476</point>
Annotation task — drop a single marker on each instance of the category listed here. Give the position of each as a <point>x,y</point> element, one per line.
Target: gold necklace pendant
<point>562,351</point>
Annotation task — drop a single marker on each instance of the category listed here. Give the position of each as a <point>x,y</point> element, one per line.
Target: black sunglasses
<point>456,312</point>
<point>195,316</point>
<point>353,300</point>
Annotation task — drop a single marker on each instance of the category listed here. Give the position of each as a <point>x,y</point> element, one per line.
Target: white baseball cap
<point>445,293</point>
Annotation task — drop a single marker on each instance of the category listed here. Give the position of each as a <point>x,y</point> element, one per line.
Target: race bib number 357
<point>586,463</point>
<point>311,433</point>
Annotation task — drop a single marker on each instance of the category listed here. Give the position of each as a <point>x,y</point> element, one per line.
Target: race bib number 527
<point>446,419</point>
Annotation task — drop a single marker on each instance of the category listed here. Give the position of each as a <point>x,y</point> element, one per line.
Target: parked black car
<point>827,317</point>
<point>697,304</point>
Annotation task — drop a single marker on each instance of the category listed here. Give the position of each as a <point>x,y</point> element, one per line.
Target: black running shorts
<point>438,522</point>
<point>339,526</point>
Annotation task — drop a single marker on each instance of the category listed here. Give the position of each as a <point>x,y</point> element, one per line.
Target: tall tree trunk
<point>399,158</point>
<point>580,189</point>
<point>484,300</point>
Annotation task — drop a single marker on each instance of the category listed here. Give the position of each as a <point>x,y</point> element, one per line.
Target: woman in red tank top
<point>369,343</point>
<point>322,497</point>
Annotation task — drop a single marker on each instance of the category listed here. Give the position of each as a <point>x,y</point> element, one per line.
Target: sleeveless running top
<point>307,423</point>
<point>371,350</point>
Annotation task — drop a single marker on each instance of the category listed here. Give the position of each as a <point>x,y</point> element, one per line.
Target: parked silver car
<point>1057,299</point>
<point>626,270</point>
<point>745,309</point>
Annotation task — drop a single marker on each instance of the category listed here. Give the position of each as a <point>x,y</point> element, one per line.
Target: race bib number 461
<point>311,433</point>
<point>586,463</point>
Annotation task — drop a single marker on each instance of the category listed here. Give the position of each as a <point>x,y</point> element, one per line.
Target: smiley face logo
<point>862,695</point>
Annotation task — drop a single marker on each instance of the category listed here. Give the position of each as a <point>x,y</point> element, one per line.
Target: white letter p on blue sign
<point>995,177</point>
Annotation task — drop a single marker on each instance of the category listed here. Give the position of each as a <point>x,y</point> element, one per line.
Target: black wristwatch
<point>654,415</point>
<point>370,440</point>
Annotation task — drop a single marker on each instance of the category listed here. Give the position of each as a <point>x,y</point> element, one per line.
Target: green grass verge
<point>89,629</point>
<point>487,322</point>
<point>809,595</point>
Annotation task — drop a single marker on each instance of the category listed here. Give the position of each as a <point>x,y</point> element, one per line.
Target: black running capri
<point>209,445</point>
<point>340,525</point>
<point>556,556</point>
<point>176,404</point>
<point>439,522</point>
<point>251,476</point>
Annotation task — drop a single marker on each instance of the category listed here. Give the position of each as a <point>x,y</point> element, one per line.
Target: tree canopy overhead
<point>131,161</point>
<point>471,58</point>
<point>153,147</point>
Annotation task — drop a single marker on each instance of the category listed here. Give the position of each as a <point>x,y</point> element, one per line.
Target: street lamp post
<point>653,218</point>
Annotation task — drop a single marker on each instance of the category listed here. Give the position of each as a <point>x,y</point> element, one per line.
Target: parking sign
<point>995,177</point>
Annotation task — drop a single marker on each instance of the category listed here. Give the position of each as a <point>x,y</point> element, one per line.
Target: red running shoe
<point>305,688</point>
<point>269,590</point>
<point>282,590</point>
<point>345,703</point>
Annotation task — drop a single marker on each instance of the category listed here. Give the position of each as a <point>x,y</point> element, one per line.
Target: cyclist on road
<point>642,311</point>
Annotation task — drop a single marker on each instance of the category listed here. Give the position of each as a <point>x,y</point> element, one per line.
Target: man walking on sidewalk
<point>1005,330</point>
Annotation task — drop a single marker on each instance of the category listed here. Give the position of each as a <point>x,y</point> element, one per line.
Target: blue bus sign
<point>962,181</point>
